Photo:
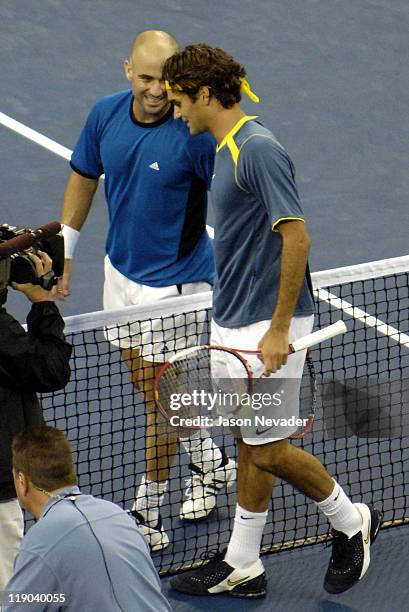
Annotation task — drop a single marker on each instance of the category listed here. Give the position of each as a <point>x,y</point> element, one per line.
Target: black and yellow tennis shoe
<point>351,556</point>
<point>217,576</point>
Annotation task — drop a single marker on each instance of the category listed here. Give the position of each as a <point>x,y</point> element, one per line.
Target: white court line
<point>49,144</point>
<point>36,137</point>
<point>364,317</point>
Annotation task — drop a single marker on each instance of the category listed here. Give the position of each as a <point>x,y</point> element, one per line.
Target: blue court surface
<point>295,583</point>
<point>333,78</point>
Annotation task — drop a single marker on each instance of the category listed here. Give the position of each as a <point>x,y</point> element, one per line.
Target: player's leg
<point>161,445</point>
<point>355,526</point>
<point>211,469</point>
<point>227,571</point>
<point>120,292</point>
<point>351,523</point>
<point>240,571</point>
<point>161,440</point>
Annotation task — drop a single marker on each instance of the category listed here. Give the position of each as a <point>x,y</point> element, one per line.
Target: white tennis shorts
<point>11,535</point>
<point>156,339</point>
<point>289,375</point>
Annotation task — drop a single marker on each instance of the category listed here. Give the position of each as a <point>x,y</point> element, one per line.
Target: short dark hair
<point>43,454</point>
<point>199,66</point>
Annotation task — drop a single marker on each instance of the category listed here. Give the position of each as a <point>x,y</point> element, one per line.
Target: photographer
<point>30,362</point>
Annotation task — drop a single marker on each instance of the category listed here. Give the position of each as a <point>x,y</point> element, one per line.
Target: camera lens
<point>22,269</point>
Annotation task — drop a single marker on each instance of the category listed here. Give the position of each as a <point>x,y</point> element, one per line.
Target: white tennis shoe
<point>155,535</point>
<point>202,489</point>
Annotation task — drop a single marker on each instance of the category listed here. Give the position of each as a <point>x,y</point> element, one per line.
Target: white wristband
<point>71,237</point>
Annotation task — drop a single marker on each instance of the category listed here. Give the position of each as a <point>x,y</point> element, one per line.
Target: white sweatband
<point>71,237</point>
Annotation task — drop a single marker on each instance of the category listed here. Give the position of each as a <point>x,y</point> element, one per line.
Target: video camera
<point>15,245</point>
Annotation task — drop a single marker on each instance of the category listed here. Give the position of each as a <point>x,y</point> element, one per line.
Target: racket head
<point>184,384</point>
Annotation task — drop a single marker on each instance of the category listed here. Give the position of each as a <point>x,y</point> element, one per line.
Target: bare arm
<point>78,197</point>
<point>294,256</point>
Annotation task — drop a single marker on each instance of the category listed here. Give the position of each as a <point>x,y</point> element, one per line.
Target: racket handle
<point>319,336</point>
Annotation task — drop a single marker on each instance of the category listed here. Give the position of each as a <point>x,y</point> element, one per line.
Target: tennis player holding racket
<point>261,298</point>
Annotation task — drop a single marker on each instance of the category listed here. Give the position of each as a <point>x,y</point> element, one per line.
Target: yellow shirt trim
<point>274,225</point>
<point>233,131</point>
<point>234,150</point>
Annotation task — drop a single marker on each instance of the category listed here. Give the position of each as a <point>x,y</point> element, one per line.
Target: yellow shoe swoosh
<point>368,535</point>
<point>232,583</point>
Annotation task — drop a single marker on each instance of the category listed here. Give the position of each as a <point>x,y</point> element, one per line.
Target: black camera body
<point>19,268</point>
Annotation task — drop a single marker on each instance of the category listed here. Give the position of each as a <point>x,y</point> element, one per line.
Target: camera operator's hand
<point>36,293</point>
<point>62,289</point>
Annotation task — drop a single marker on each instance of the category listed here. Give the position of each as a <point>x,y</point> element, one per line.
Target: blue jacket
<point>89,552</point>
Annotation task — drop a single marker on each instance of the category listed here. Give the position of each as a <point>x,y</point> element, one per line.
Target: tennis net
<point>361,431</point>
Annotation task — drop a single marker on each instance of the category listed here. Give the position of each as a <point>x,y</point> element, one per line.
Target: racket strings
<point>197,384</point>
<point>180,386</point>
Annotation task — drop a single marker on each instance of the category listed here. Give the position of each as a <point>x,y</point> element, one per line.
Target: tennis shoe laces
<point>154,534</point>
<point>202,489</point>
<point>351,556</point>
<point>217,576</point>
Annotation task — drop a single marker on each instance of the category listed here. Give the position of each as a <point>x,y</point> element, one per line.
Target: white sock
<point>341,512</point>
<point>202,450</point>
<point>245,540</point>
<point>149,498</point>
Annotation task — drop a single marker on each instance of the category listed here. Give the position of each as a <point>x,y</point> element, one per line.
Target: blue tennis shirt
<point>253,189</point>
<point>156,182</point>
<point>62,553</point>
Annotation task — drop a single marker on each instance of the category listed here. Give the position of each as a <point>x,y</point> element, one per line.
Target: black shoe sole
<point>253,589</point>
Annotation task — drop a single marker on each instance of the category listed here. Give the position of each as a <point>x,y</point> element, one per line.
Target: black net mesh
<point>361,430</point>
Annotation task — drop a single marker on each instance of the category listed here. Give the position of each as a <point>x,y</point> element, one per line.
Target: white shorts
<point>289,375</point>
<point>156,339</point>
<point>11,535</point>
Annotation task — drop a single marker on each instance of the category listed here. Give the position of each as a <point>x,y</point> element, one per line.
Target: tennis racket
<point>190,387</point>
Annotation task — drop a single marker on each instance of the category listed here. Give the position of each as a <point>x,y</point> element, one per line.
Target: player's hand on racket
<point>208,367</point>
<point>273,348</point>
<point>62,289</point>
